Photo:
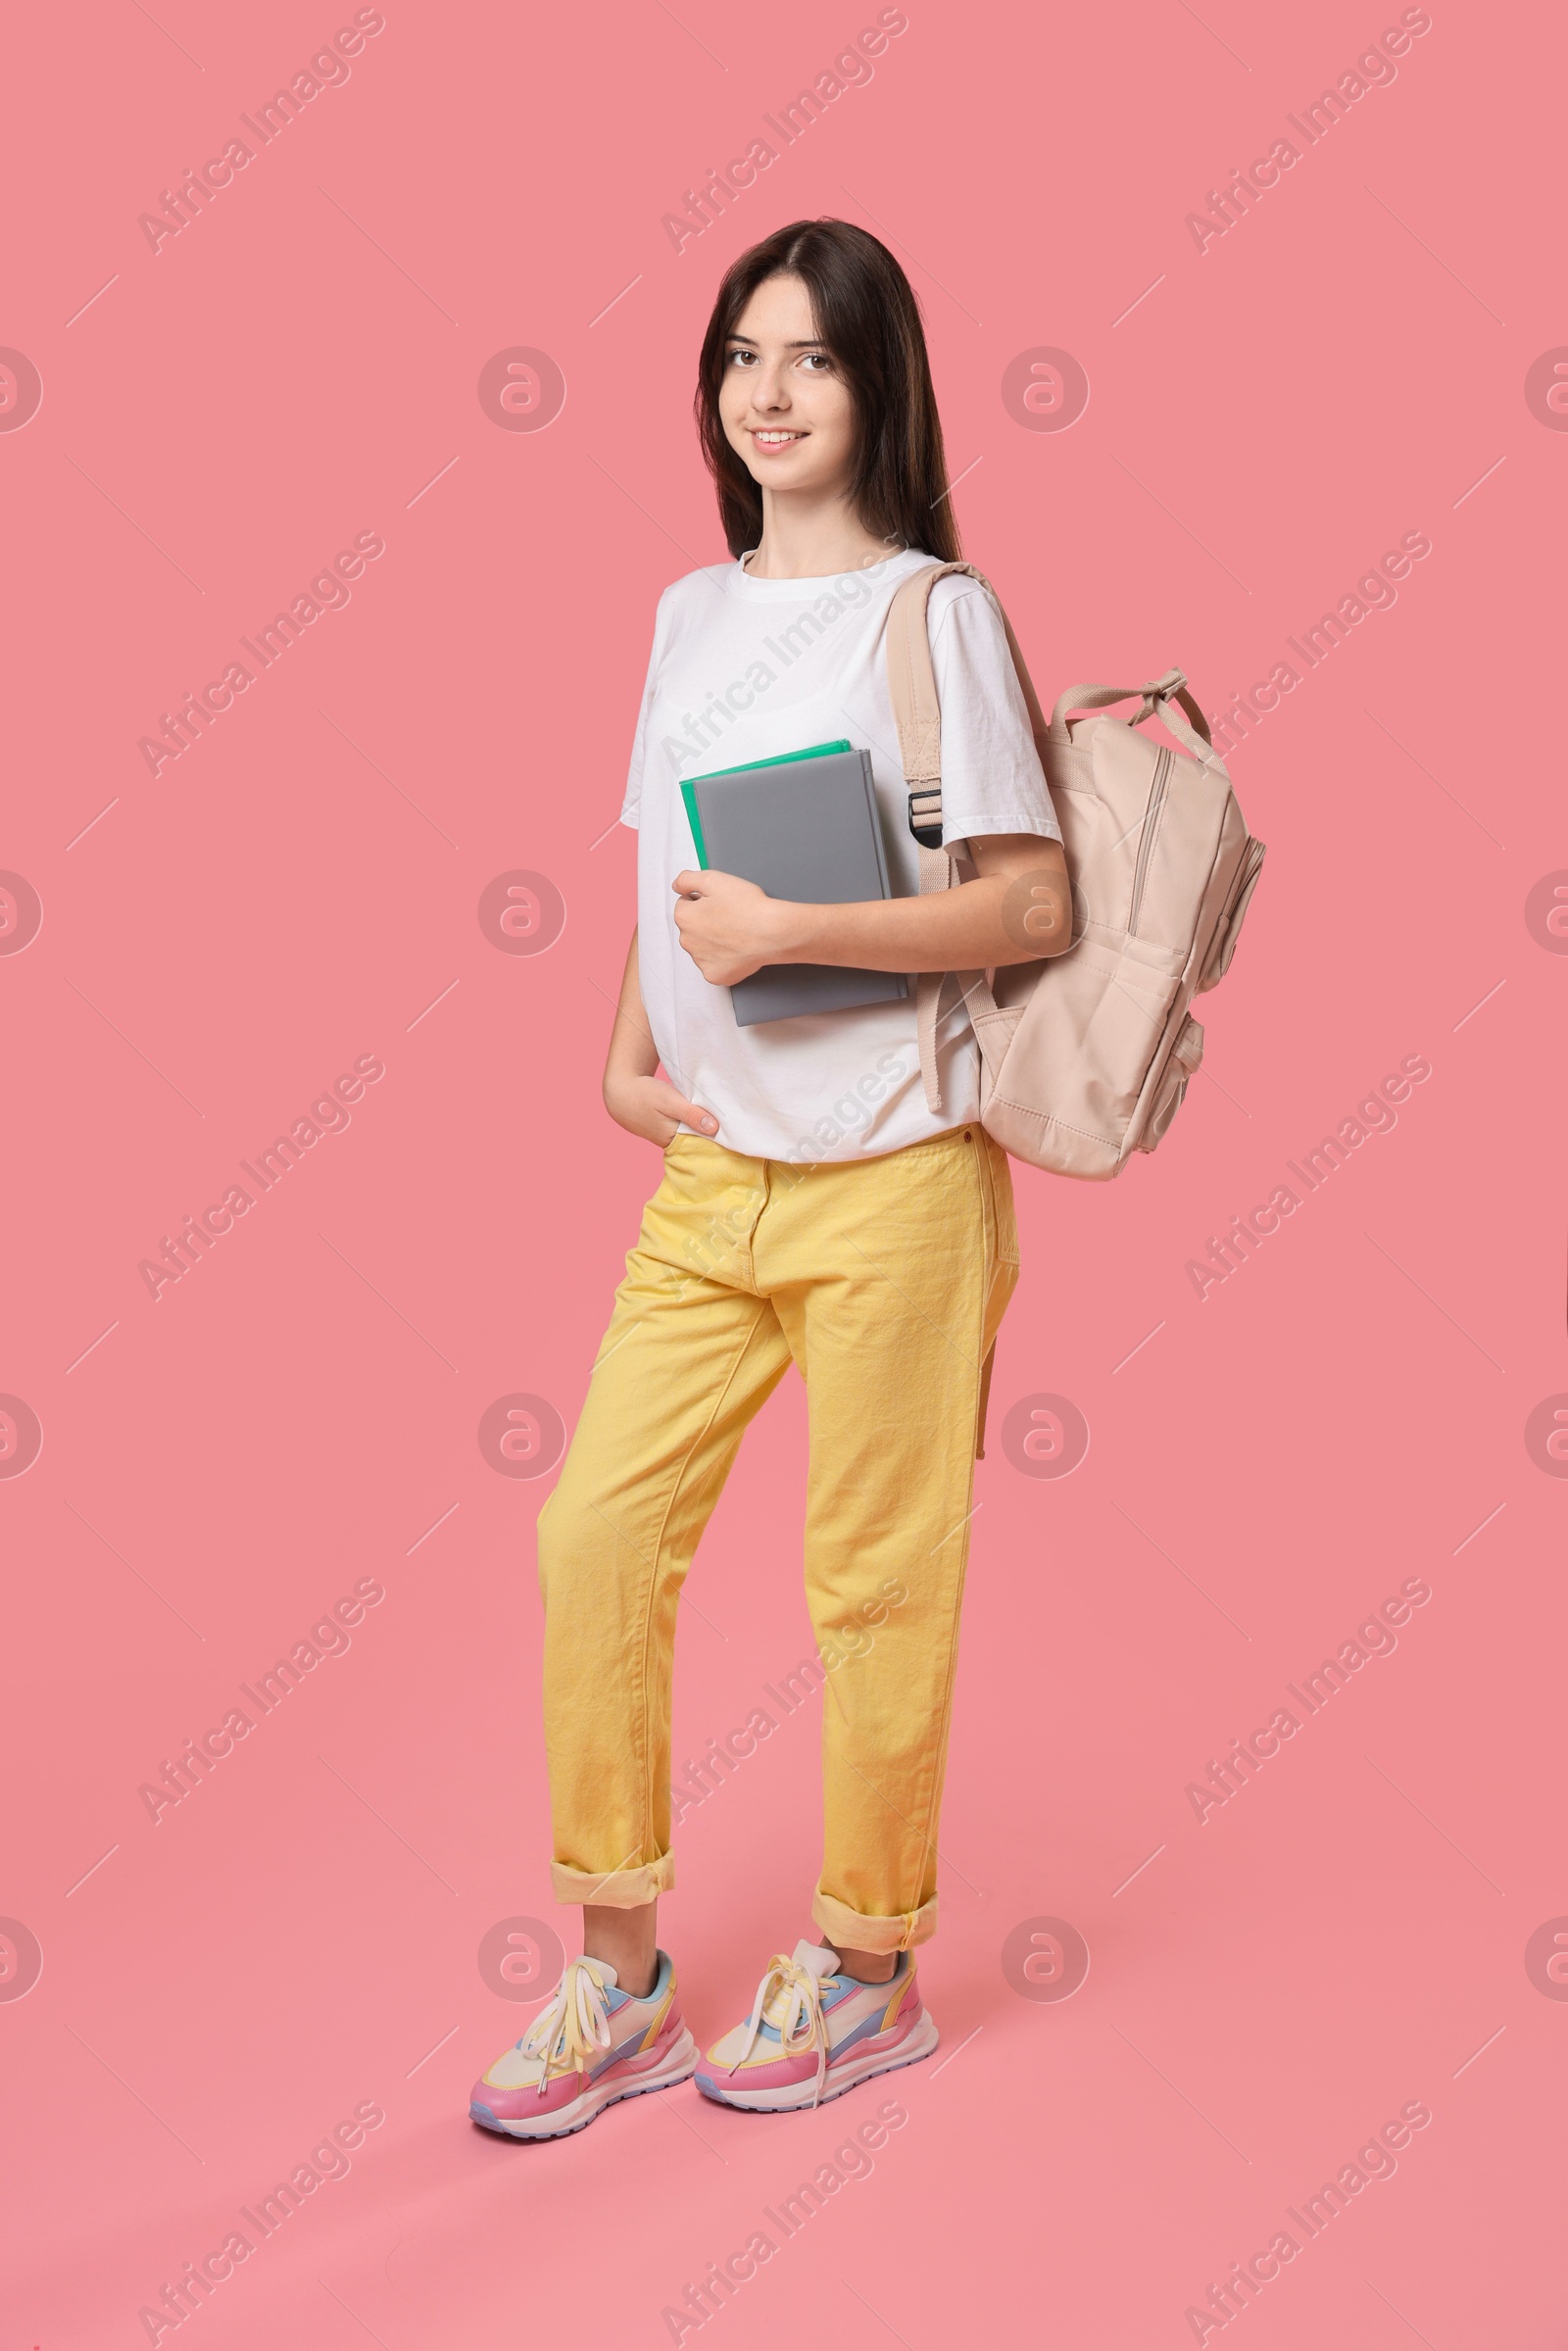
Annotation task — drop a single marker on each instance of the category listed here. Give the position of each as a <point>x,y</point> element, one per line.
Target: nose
<point>769,388</point>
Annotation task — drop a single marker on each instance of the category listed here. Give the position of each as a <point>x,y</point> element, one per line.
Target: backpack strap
<point>913,686</point>
<point>918,715</point>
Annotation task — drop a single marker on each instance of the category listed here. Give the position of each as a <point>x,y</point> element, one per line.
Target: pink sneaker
<point>590,2044</point>
<point>813,2034</point>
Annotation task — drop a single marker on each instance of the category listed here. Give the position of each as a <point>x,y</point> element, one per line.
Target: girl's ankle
<point>865,1967</point>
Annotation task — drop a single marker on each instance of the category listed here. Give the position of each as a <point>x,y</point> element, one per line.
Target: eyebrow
<point>813,343</point>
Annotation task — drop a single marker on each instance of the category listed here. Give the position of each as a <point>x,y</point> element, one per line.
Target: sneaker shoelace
<point>573,2027</point>
<point>789,1999</point>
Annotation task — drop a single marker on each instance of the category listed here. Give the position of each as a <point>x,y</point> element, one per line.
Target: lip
<point>774,448</point>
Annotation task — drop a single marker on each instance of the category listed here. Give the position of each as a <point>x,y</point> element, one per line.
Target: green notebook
<point>688,793</point>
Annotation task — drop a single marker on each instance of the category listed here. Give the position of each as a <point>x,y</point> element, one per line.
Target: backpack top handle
<point>1171,698</point>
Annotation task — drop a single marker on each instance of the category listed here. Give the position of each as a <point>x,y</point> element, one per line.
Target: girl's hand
<point>729,927</point>
<point>1017,910</point>
<point>652,1107</point>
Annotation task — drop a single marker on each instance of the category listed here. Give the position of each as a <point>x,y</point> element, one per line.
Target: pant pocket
<point>997,1177</point>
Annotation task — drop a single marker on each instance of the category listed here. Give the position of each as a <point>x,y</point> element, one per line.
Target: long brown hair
<point>865,312</point>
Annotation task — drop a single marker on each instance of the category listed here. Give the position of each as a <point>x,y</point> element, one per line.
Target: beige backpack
<point>1086,1055</point>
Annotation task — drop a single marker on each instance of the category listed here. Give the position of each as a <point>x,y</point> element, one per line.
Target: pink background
<point>301,888</point>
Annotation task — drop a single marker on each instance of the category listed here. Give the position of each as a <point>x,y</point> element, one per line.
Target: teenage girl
<point>813,1210</point>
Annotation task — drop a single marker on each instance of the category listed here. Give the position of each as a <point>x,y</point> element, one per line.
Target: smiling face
<point>785,407</point>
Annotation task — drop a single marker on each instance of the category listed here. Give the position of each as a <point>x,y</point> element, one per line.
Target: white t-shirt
<point>744,670</point>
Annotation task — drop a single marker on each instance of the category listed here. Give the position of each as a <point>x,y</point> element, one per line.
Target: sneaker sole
<point>922,2039</point>
<point>679,2066</point>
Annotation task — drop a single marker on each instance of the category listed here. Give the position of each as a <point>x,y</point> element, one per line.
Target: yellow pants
<point>885,1281</point>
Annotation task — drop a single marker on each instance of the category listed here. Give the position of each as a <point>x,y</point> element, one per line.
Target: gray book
<point>801,827</point>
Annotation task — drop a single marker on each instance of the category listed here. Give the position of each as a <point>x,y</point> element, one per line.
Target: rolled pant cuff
<point>614,1890</point>
<point>855,1930</point>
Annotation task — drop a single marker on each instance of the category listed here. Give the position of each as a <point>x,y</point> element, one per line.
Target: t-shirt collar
<point>739,582</point>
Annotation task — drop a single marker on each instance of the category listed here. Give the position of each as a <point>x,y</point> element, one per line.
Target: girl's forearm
<point>998,919</point>
<point>632,1052</point>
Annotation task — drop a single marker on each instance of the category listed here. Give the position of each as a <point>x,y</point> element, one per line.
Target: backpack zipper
<point>1157,801</point>
<point>1246,874</point>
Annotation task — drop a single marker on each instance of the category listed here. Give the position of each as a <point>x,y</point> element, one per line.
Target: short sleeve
<point>631,805</point>
<point>992,779</point>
